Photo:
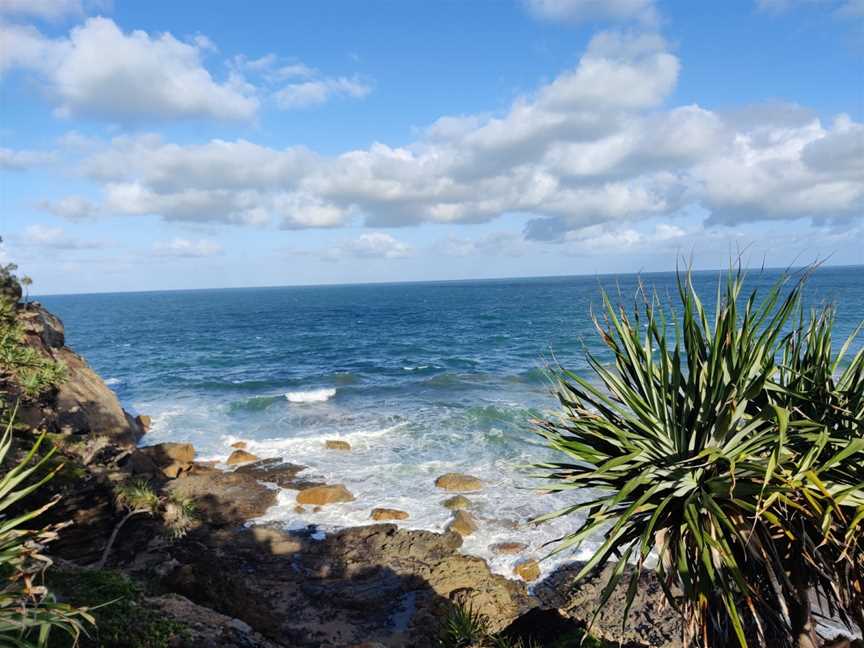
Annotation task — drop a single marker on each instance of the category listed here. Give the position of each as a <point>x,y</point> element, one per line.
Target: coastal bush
<point>22,365</point>
<point>729,452</point>
<point>123,619</point>
<point>30,615</point>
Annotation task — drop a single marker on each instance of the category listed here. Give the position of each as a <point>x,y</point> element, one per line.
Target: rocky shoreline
<point>232,583</point>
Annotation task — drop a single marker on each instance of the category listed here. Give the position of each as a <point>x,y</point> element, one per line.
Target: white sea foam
<point>113,382</point>
<point>311,396</point>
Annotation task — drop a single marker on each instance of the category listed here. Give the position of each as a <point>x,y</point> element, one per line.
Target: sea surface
<point>420,378</point>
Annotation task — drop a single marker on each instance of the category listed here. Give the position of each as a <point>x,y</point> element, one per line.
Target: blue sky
<point>182,145</point>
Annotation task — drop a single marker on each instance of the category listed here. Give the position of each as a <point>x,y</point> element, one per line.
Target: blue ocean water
<point>420,378</point>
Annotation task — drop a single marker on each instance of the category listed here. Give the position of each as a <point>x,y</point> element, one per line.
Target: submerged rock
<point>527,570</point>
<point>508,548</point>
<point>327,494</point>
<point>462,523</point>
<point>459,482</point>
<point>456,503</point>
<point>383,514</point>
<point>239,445</point>
<point>239,457</point>
<point>336,444</point>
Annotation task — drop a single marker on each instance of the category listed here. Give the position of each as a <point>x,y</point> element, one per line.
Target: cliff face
<point>82,404</point>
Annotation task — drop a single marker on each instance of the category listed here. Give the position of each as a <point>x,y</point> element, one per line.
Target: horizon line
<point>439,281</point>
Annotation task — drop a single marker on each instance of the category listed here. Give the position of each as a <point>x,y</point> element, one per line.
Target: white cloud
<point>45,9</point>
<point>56,238</point>
<point>185,248</point>
<point>73,208</point>
<point>374,245</point>
<point>843,8</point>
<point>642,11</point>
<point>100,71</point>
<point>596,146</point>
<point>319,91</point>
<point>20,160</point>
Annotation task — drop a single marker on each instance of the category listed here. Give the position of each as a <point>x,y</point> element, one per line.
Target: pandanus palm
<point>699,457</point>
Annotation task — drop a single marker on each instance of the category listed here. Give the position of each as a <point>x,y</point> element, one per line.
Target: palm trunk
<point>107,550</point>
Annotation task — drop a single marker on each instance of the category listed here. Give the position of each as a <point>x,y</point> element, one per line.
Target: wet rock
<point>276,471</point>
<point>144,421</point>
<point>508,548</point>
<point>335,444</point>
<point>322,495</point>
<point>239,457</point>
<point>459,482</point>
<point>384,514</point>
<point>223,497</point>
<point>239,445</point>
<point>456,503</point>
<point>527,570</point>
<point>462,523</point>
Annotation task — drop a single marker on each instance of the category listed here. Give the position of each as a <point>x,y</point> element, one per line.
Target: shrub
<point>699,451</point>
<point>21,364</point>
<point>29,613</point>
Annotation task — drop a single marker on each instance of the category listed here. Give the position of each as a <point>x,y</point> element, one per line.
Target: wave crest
<point>311,396</point>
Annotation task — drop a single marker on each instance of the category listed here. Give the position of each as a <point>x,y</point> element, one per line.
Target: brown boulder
<point>456,503</point>
<point>239,457</point>
<point>527,570</point>
<point>459,482</point>
<point>144,421</point>
<point>383,514</point>
<point>171,458</point>
<point>508,548</point>
<point>462,523</point>
<point>223,497</point>
<point>335,444</point>
<point>327,494</point>
<point>239,445</point>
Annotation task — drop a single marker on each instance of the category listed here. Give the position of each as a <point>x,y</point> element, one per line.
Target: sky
<point>164,145</point>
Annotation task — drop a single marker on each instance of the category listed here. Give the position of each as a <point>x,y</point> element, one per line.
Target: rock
<point>383,514</point>
<point>299,510</point>
<point>327,494</point>
<point>365,584</point>
<point>223,497</point>
<point>527,570</point>
<point>206,628</point>
<point>456,503</point>
<point>508,548</point>
<point>649,622</point>
<point>335,444</point>
<point>144,421</point>
<point>166,453</point>
<point>239,457</point>
<point>171,458</point>
<point>276,471</point>
<point>459,482</point>
<point>239,445</point>
<point>462,523</point>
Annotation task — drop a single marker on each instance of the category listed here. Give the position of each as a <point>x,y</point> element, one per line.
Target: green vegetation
<point>123,620</point>
<point>21,364</point>
<point>30,615</point>
<point>731,451</point>
<point>137,497</point>
<point>466,628</point>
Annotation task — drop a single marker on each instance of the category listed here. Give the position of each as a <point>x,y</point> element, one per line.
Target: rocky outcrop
<point>384,514</point>
<point>321,495</point>
<point>240,457</point>
<point>456,503</point>
<point>527,570</point>
<point>82,404</point>
<point>462,523</point>
<point>375,583</point>
<point>171,458</point>
<point>223,498</point>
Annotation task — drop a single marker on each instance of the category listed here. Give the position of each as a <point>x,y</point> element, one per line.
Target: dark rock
<point>276,471</point>
<point>223,497</point>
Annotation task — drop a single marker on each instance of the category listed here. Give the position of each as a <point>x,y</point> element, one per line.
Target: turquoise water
<point>420,378</point>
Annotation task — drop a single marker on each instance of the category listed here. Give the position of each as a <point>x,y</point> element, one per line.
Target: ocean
<point>420,378</point>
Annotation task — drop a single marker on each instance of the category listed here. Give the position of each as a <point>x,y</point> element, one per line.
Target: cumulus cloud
<point>56,238</point>
<point>45,9</point>
<point>597,145</point>
<point>319,91</point>
<point>101,71</point>
<point>73,208</point>
<point>374,245</point>
<point>642,11</point>
<point>186,249</point>
<point>20,160</point>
